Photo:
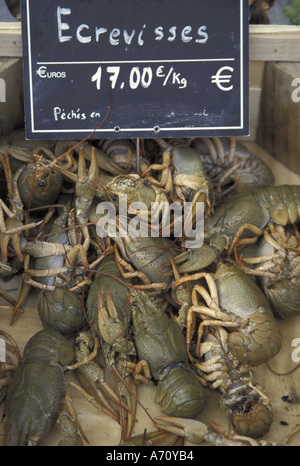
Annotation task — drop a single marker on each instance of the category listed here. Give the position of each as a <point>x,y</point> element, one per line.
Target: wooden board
<point>278,127</point>
<point>274,43</point>
<point>283,390</point>
<point>11,109</point>
<point>10,40</point>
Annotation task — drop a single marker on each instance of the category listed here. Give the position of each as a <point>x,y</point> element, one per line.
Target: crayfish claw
<point>112,329</point>
<point>192,430</point>
<point>196,259</point>
<point>146,439</point>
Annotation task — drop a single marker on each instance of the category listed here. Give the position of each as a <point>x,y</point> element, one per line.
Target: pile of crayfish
<point>161,261</point>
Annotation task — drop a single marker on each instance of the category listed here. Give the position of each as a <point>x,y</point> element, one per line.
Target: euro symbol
<point>42,71</point>
<point>219,79</point>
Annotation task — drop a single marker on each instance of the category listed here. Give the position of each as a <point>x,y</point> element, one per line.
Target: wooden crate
<point>268,44</point>
<point>278,129</point>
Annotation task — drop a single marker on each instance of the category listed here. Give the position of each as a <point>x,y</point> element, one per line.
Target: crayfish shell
<point>39,187</point>
<point>252,420</point>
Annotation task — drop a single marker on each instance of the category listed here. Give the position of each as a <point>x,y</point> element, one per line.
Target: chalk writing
<point>85,34</point>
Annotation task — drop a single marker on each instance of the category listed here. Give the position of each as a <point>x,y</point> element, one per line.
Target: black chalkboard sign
<point>141,68</point>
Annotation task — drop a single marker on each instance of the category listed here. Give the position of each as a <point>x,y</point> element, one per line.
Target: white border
<point>99,130</point>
